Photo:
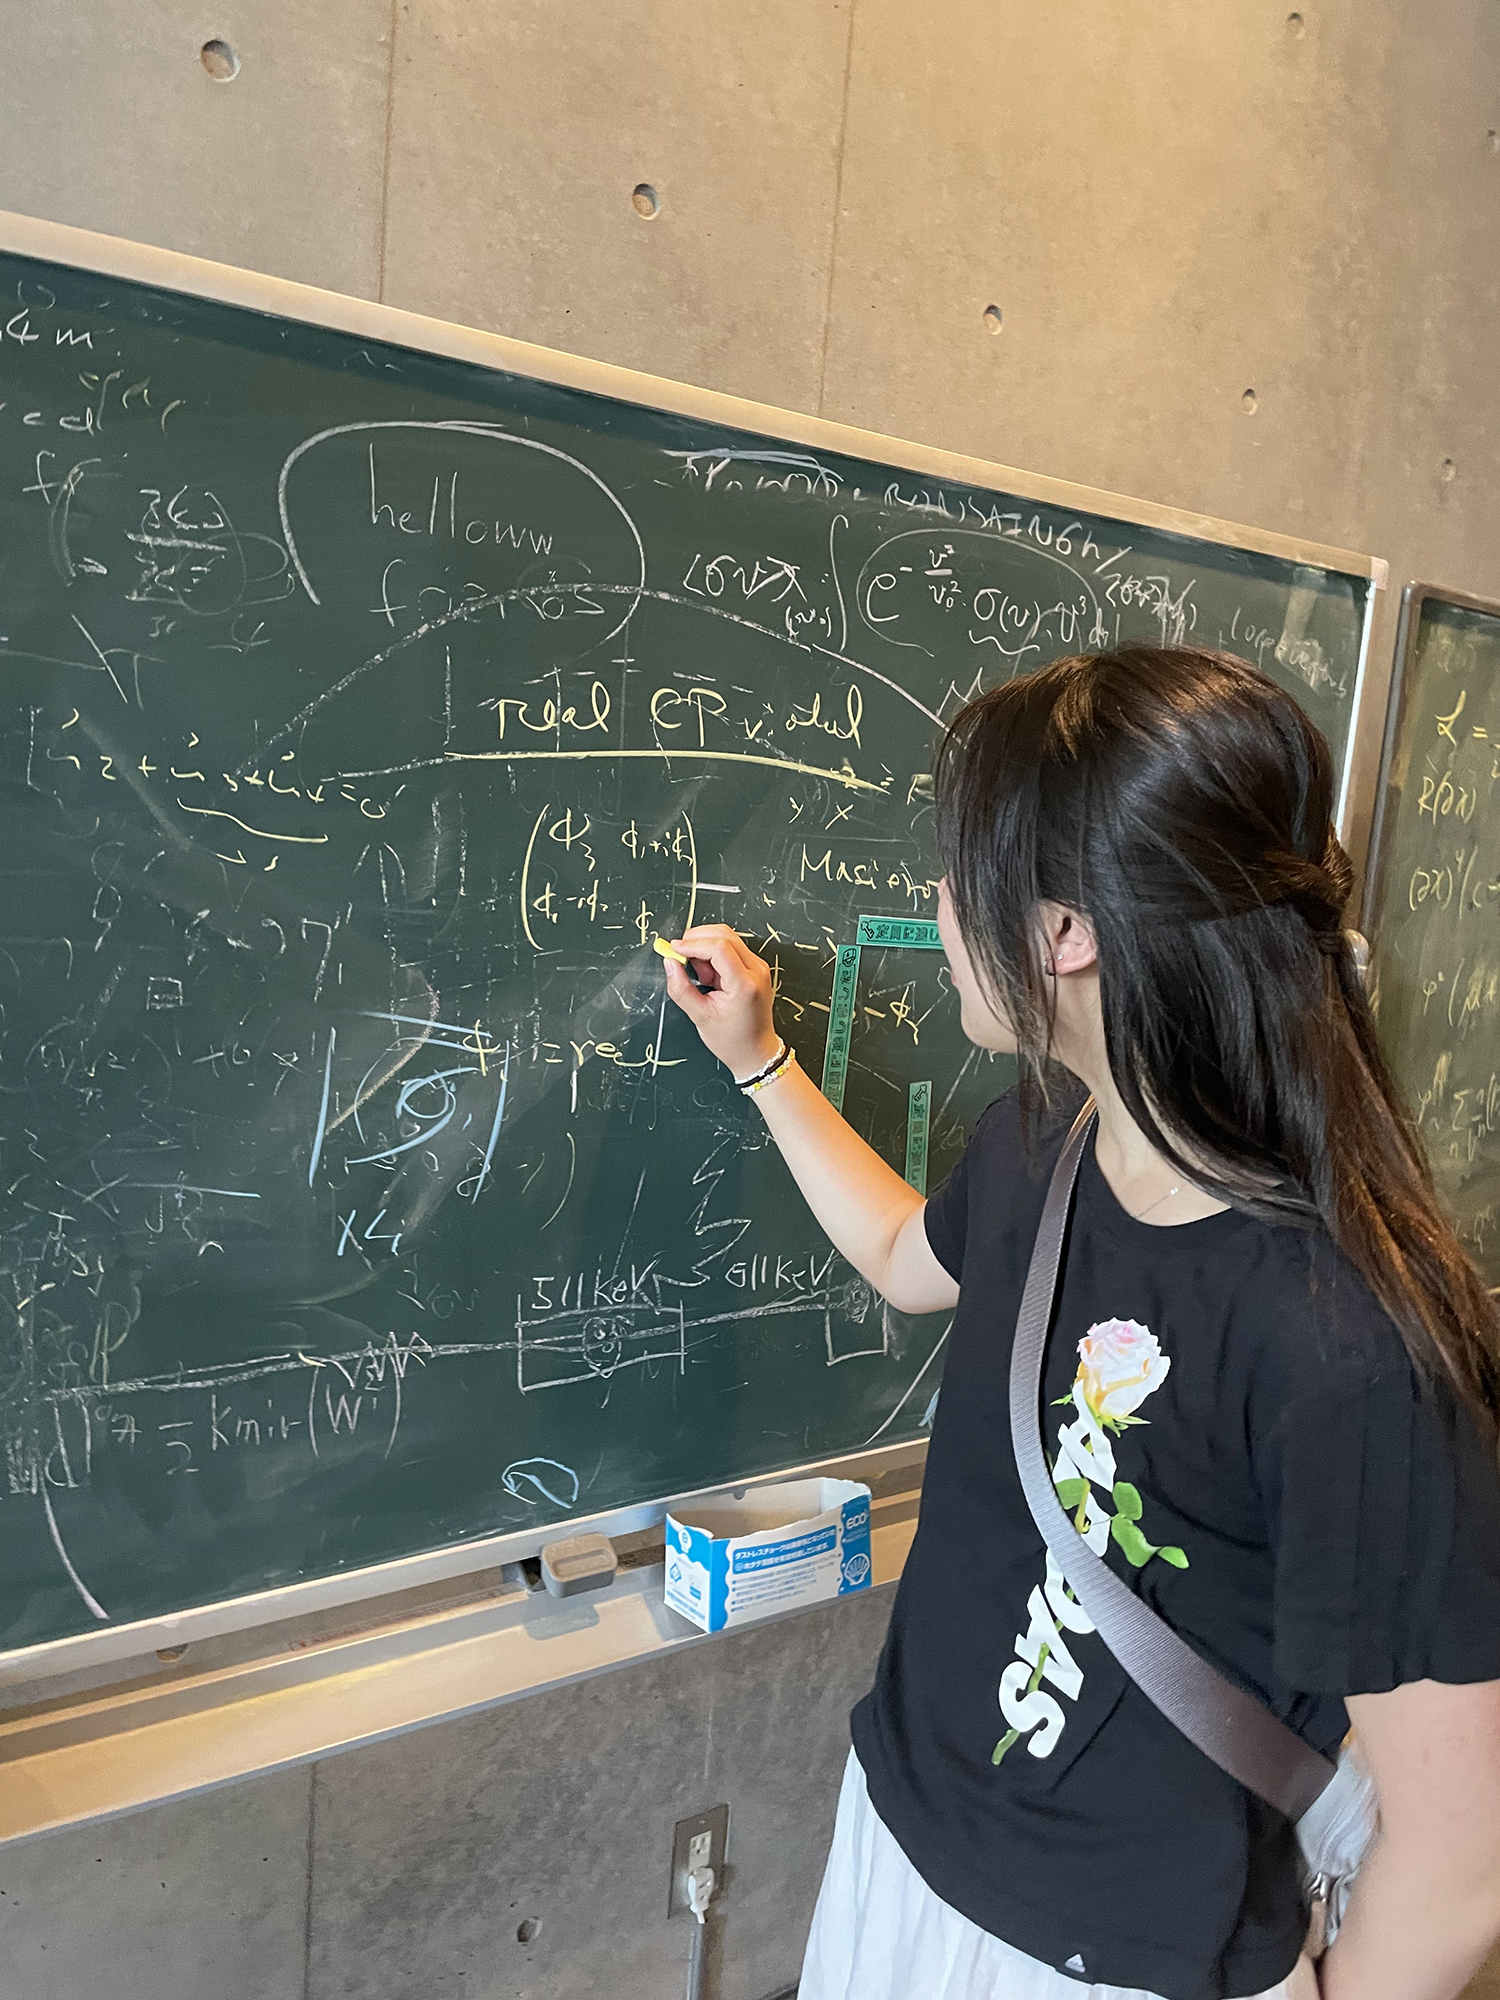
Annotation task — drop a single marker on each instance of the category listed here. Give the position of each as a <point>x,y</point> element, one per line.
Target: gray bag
<point>1333,1806</point>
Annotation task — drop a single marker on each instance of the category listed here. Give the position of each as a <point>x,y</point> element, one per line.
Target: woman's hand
<point>869,1212</point>
<point>734,1015</point>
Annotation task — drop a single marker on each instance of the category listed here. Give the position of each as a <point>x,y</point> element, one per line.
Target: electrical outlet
<point>699,1842</point>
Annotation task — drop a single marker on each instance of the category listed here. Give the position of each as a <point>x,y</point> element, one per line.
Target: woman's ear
<point>1067,940</point>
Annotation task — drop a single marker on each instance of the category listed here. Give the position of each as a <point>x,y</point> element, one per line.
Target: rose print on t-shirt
<point>1120,1363</point>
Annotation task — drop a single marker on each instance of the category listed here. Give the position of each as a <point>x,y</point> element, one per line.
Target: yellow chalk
<point>667,951</point>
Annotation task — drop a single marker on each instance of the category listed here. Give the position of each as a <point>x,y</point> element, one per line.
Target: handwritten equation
<point>1436,966</point>
<point>367,720</point>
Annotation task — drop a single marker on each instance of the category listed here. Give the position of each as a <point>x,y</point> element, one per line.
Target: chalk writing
<point>1436,964</point>
<point>370,716</point>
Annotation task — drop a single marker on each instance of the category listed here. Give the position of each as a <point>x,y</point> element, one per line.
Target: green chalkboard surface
<point>368,710</point>
<point>1434,909</point>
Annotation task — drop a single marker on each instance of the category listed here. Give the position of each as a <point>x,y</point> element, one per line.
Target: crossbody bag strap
<point>1234,1729</point>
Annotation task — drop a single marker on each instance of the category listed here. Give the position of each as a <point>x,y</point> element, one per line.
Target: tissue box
<point>802,1543</point>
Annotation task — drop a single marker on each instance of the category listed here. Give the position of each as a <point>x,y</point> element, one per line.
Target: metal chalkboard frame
<point>280,298</point>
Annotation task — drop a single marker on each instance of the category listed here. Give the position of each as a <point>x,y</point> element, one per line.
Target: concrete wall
<point>1246,259</point>
<point>405,1872</point>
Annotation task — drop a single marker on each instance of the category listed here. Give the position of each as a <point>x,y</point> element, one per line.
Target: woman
<point>1278,1378</point>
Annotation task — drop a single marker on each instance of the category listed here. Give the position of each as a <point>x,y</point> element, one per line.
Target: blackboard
<point>375,692</point>
<point>1433,912</point>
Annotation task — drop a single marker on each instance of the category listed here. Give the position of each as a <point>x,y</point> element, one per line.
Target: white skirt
<point>879,1932</point>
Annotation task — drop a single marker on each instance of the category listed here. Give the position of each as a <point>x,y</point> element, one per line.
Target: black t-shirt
<point>1236,1426</point>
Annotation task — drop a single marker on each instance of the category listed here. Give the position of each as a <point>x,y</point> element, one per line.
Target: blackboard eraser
<point>584,1562</point>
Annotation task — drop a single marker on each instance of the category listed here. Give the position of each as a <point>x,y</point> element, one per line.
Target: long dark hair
<point>1184,804</point>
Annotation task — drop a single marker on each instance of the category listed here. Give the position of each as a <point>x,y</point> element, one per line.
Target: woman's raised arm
<point>867,1211</point>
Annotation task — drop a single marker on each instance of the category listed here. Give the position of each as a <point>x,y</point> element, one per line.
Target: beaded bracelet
<point>744,1082</point>
<point>784,1063</point>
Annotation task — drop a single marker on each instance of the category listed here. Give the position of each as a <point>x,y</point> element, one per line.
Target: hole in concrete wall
<point>994,319</point>
<point>220,59</point>
<point>1249,402</point>
<point>645,200</point>
<point>528,1929</point>
<point>1296,27</point>
<point>1446,469</point>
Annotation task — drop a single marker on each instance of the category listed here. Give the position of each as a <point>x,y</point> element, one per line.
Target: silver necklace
<point>1137,1214</point>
